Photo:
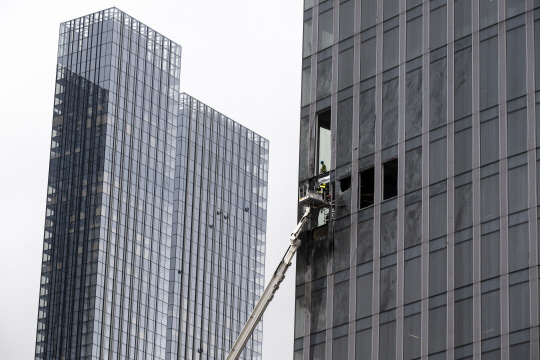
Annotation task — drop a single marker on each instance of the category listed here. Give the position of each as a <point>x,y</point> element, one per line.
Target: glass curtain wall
<point>444,94</point>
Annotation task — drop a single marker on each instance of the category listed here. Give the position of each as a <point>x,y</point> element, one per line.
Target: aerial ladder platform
<point>311,197</point>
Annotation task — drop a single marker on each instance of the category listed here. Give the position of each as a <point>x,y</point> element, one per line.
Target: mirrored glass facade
<point>130,269</point>
<point>430,248</point>
<point>217,271</point>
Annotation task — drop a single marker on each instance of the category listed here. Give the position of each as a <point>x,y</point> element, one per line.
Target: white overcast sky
<point>241,57</point>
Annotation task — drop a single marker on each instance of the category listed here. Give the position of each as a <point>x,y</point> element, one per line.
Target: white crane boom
<point>269,291</point>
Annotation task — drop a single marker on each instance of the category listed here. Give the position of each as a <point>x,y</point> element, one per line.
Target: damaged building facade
<point>156,206</point>
<point>425,114</point>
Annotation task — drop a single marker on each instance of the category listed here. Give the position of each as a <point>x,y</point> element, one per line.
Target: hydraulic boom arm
<point>268,293</point>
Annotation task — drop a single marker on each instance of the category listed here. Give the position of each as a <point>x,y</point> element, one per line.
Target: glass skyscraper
<point>218,243</point>
<point>426,114</point>
<point>137,264</point>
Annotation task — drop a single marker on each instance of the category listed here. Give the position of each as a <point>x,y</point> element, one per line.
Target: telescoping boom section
<point>269,291</point>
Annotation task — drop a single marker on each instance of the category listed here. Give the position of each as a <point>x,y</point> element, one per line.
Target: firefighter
<point>323,168</point>
<point>324,190</point>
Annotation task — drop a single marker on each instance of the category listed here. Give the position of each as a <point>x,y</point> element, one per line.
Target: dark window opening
<point>367,187</point>
<point>390,175</point>
<point>345,184</point>
<point>323,141</point>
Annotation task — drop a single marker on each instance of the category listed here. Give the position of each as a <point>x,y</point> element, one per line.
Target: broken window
<point>323,141</point>
<point>345,184</point>
<point>367,187</point>
<point>390,174</point>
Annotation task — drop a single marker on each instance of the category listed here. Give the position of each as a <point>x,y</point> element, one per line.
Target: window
<point>519,300</point>
<point>341,303</point>
<point>491,323</point>
<point>463,149</point>
<point>414,35</point>
<point>462,18</point>
<point>390,175</point>
<point>412,276</point>
<point>345,184</point>
<point>517,189</point>
<point>367,60</point>
<point>489,141</point>
<point>304,171</point>
<point>326,33</point>
<point>437,92</point>
<point>346,19</point>
<point>319,254</point>
<point>488,12</point>
<point>366,144</point>
<point>367,187</point>
<point>344,132</point>
<point>390,9</point>
<point>437,27</point>
<point>308,28</point>
<point>387,336</point>
<point>391,45</point>
<point>341,250</point>
<point>413,103</point>
<point>345,66</point>
<point>390,113</point>
<point>323,139</point>
<point>463,80</point>
<point>363,343</point>
<point>388,289</point>
<point>437,160</point>
<point>490,255</point>
<point>516,79</point>
<point>413,224</point>
<point>364,292</point>
<point>369,13</point>
<point>437,267</point>
<point>514,7</point>
<point>463,263</point>
<point>413,170</point>
<point>317,352</point>
<point>489,197</point>
<point>463,316</point>
<point>318,309</point>
<point>300,316</point>
<point>437,324</point>
<point>340,347</point>
<point>517,132</point>
<point>306,86</point>
<point>463,207</point>
<point>388,233</point>
<point>411,336</point>
<point>324,78</point>
<point>518,243</point>
<point>489,84</point>
<point>364,243</point>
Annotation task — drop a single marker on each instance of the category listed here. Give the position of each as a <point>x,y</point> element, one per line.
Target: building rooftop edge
<point>114,8</point>
<point>184,94</point>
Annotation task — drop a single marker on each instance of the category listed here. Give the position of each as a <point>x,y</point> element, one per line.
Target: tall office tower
<point>217,267</point>
<point>426,114</point>
<point>118,218</point>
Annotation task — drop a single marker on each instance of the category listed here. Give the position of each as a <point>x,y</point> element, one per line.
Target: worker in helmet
<point>323,168</point>
<point>324,190</point>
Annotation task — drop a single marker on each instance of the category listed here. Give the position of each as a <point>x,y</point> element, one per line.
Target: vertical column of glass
<point>66,319</point>
<point>136,239</point>
<point>215,199</point>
